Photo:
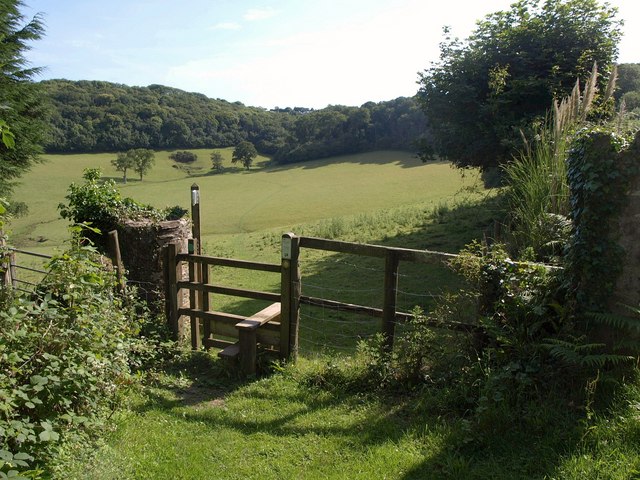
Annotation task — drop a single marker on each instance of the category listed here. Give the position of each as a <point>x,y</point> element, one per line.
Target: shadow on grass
<point>529,442</point>
<point>384,157</point>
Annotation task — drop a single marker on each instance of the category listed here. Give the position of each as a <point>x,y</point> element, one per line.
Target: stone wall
<point>628,286</point>
<point>141,247</point>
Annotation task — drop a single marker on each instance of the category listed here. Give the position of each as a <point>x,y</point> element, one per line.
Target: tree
<point>122,163</point>
<point>21,108</point>
<point>216,162</point>
<point>245,153</point>
<point>143,159</point>
<point>483,92</point>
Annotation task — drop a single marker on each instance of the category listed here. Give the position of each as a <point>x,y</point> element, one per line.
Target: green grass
<point>238,201</point>
<point>201,423</point>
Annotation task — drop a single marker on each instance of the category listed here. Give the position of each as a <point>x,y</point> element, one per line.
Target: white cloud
<point>254,14</point>
<point>226,26</point>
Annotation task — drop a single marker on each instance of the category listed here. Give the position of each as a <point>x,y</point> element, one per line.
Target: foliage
<point>538,192</point>
<point>22,113</point>
<point>628,80</point>
<point>90,116</point>
<point>183,157</point>
<point>482,92</point>
<point>143,160</point>
<point>100,206</point>
<point>216,162</point>
<point>245,153</point>
<point>599,176</point>
<point>63,357</point>
<point>122,163</point>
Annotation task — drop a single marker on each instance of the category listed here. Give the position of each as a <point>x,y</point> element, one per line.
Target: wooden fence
<point>275,327</point>
<point>278,333</point>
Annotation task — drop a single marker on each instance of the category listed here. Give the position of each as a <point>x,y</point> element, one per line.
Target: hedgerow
<point>66,357</point>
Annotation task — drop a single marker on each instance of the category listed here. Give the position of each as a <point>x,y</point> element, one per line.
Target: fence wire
<point>359,281</point>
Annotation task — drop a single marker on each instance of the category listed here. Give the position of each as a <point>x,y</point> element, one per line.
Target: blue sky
<point>264,53</point>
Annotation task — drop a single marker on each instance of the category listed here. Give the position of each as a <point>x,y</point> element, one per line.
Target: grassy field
<point>239,201</point>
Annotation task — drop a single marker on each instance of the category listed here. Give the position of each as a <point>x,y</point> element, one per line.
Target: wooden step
<point>230,352</point>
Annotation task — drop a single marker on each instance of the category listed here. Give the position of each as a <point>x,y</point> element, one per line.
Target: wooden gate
<point>274,328</point>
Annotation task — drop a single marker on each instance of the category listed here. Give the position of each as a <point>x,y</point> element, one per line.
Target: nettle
<point>64,359</point>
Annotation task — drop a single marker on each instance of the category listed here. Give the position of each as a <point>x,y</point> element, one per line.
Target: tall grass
<point>538,192</point>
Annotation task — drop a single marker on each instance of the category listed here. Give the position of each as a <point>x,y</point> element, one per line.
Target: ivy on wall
<point>601,168</point>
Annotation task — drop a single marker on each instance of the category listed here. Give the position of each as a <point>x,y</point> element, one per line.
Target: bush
<point>183,157</point>
<point>100,208</point>
<point>64,358</point>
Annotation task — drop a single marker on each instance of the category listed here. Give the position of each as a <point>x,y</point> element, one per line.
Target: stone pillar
<point>627,290</point>
<point>141,246</point>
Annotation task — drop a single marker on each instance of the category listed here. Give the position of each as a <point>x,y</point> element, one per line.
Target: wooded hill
<point>96,116</point>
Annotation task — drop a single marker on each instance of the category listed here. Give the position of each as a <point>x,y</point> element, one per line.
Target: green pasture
<point>239,201</point>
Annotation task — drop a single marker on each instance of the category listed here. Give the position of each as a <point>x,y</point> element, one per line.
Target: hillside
<point>96,116</point>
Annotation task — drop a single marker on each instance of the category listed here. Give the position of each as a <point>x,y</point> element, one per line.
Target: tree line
<point>96,116</point>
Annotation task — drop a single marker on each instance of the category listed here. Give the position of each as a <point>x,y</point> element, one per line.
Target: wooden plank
<point>229,318</point>
<point>170,289</point>
<point>230,352</point>
<point>193,301</point>
<point>272,312</point>
<point>217,343</point>
<point>343,247</point>
<point>234,292</point>
<point>230,262</point>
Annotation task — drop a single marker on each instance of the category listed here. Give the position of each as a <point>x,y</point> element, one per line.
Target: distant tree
<point>123,162</point>
<point>21,107</point>
<point>216,162</point>
<point>144,159</point>
<point>244,153</point>
<point>483,92</point>
<point>628,79</point>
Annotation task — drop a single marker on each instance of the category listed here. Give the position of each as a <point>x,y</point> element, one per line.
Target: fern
<point>619,322</point>
<point>589,355</point>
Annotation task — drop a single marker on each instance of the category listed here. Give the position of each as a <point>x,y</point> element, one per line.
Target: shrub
<point>183,157</point>
<point>64,358</point>
<point>100,206</point>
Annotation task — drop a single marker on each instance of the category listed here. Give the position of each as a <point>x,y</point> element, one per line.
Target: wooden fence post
<point>290,291</point>
<point>172,303</point>
<point>114,252</point>
<point>391,268</point>
<point>194,298</point>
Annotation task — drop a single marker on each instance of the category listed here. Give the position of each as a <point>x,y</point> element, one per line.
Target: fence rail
<point>11,267</point>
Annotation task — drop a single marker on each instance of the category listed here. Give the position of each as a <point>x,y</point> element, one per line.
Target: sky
<point>265,53</point>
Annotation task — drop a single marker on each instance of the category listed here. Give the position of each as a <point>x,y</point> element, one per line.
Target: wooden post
<point>195,233</point>
<point>114,252</point>
<point>290,292</point>
<point>172,303</point>
<point>248,350</point>
<point>391,268</point>
<point>195,217</point>
<point>193,300</point>
<point>204,301</point>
